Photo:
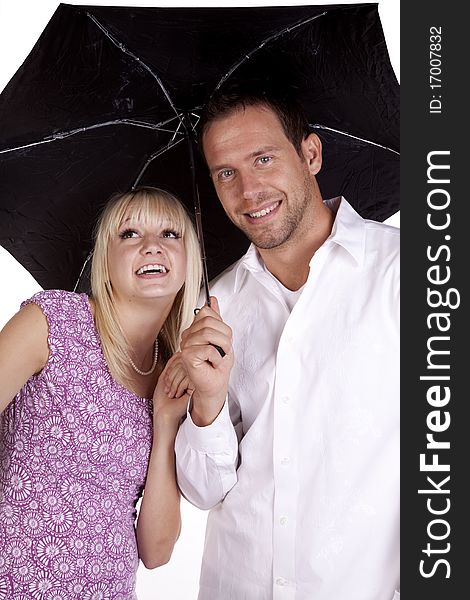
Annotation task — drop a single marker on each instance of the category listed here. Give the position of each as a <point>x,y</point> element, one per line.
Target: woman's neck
<point>142,322</point>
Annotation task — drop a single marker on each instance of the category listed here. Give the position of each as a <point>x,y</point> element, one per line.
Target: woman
<point>79,439</point>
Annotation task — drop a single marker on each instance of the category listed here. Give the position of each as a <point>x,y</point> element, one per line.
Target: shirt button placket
<point>285,476</point>
<point>283,589</point>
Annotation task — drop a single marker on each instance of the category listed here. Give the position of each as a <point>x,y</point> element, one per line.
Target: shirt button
<point>283,520</point>
<point>281,581</point>
<point>285,461</point>
<point>285,399</point>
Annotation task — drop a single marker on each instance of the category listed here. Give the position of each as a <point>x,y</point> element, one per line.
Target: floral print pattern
<point>74,448</point>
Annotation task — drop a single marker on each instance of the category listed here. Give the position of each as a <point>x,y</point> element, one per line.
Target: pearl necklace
<point>154,363</point>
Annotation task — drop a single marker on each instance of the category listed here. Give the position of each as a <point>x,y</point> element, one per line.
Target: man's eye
<point>225,174</point>
<point>265,159</point>
<point>169,233</point>
<point>128,233</point>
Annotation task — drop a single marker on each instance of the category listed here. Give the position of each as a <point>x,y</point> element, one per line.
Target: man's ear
<point>312,151</point>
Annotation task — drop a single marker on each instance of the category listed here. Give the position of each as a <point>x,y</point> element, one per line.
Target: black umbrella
<point>110,98</point>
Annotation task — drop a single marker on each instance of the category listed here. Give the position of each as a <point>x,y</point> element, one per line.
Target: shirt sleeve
<point>206,459</point>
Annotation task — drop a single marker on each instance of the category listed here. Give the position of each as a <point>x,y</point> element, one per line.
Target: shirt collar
<point>349,228</point>
<point>251,261</point>
<point>348,231</point>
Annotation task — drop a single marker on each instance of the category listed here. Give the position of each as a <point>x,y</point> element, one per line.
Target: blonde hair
<point>150,205</point>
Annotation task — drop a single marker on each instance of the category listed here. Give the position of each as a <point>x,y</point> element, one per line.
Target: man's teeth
<point>265,211</point>
<point>152,269</point>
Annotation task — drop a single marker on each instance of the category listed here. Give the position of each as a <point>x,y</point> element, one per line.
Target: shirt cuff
<point>213,438</point>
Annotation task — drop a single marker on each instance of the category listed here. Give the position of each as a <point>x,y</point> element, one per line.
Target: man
<point>301,464</point>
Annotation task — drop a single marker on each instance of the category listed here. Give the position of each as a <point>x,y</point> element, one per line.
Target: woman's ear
<point>312,151</point>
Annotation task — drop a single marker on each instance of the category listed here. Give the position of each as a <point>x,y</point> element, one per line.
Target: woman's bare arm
<point>23,351</point>
<point>159,522</point>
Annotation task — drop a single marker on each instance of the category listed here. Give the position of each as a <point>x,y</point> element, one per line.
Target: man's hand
<point>207,370</point>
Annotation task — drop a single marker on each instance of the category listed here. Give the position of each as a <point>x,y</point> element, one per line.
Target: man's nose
<point>250,185</point>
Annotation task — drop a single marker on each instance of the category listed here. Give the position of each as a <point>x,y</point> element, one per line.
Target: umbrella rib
<point>65,134</point>
<point>88,258</point>
<point>123,48</point>
<point>153,157</point>
<point>355,137</point>
<point>198,118</point>
<point>271,38</point>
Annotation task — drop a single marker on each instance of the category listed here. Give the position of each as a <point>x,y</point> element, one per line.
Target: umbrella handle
<point>218,348</point>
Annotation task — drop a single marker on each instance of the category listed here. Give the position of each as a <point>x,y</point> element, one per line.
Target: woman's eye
<point>128,233</point>
<point>169,233</point>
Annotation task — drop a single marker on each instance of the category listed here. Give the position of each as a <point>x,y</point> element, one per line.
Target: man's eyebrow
<point>263,150</point>
<point>254,154</point>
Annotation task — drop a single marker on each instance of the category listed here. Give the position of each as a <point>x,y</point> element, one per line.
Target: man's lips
<point>262,212</point>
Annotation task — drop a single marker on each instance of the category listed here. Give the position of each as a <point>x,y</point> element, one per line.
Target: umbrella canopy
<point>108,97</point>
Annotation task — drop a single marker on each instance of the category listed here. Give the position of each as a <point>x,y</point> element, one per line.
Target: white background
<point>21,23</point>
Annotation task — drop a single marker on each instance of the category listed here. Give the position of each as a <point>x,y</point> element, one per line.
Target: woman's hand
<point>171,396</point>
<point>176,377</point>
<point>207,370</point>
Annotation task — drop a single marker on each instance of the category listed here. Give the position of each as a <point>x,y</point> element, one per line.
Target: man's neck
<point>290,262</point>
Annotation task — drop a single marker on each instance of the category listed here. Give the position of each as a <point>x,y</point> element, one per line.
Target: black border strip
<point>434,276</point>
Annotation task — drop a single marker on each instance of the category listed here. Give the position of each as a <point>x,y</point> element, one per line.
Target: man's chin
<point>266,242</point>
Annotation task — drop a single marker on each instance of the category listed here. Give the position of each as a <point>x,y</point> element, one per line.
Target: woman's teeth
<point>152,269</point>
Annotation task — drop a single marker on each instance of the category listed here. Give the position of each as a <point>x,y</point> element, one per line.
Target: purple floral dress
<point>74,448</point>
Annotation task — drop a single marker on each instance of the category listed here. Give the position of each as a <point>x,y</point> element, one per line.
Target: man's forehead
<point>246,135</point>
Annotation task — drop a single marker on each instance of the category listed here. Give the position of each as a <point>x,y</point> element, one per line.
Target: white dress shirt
<point>306,505</point>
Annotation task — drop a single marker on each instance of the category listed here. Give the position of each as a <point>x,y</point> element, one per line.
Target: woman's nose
<point>151,245</point>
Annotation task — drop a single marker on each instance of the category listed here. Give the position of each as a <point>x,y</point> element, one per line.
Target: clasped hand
<point>198,369</point>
